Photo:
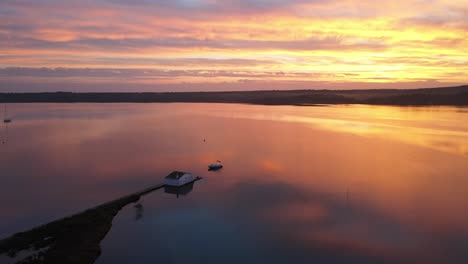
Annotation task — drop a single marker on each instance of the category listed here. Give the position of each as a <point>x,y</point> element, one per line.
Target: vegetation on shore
<point>75,239</point>
<point>72,240</point>
<point>430,96</point>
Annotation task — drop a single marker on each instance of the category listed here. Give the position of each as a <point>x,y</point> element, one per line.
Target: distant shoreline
<point>453,96</point>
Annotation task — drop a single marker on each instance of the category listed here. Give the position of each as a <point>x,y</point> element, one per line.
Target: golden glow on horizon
<point>410,126</point>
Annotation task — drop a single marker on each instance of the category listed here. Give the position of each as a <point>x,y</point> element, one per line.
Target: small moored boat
<point>215,166</point>
<point>179,178</point>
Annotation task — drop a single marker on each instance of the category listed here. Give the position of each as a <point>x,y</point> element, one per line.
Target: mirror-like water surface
<point>322,184</point>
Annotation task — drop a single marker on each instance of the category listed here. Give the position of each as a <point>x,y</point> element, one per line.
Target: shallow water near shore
<point>321,184</point>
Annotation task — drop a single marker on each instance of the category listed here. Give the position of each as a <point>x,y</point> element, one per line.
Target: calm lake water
<point>322,184</point>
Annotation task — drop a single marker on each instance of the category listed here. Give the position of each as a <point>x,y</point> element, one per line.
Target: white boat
<point>178,178</point>
<point>215,166</point>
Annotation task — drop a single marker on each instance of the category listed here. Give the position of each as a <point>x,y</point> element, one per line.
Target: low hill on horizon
<point>457,95</point>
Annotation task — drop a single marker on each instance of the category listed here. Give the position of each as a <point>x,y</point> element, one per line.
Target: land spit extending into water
<point>75,239</point>
<point>457,96</point>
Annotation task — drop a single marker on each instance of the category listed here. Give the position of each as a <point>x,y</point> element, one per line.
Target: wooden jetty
<point>142,192</point>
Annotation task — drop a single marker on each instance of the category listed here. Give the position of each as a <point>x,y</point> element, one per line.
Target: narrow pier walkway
<point>140,193</point>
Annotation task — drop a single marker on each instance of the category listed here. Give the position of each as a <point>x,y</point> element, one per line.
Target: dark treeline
<point>429,96</point>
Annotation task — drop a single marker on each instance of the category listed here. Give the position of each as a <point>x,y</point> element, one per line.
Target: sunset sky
<point>193,45</point>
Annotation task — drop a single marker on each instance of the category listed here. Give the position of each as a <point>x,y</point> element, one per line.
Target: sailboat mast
<point>6,119</point>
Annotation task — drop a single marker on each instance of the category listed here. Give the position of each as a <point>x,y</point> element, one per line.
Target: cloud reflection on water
<point>282,193</point>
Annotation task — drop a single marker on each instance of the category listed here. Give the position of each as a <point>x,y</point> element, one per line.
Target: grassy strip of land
<point>74,239</point>
<point>430,96</point>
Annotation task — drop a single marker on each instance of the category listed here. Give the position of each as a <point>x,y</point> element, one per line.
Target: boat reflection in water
<point>179,190</point>
<point>138,211</point>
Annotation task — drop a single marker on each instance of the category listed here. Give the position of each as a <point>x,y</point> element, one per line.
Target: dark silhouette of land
<point>75,239</point>
<point>427,96</point>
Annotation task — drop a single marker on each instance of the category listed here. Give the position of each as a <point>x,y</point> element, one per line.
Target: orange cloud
<point>328,41</point>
